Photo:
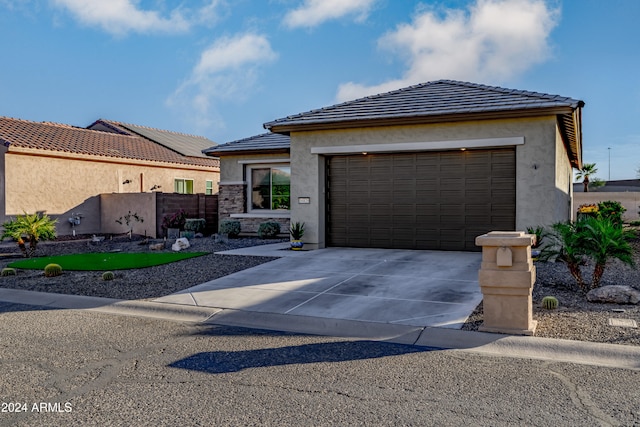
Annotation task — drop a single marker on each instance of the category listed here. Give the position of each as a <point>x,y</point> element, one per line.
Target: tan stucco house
<point>430,166</point>
<point>60,169</point>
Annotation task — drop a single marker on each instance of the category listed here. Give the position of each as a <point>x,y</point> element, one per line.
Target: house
<point>60,169</point>
<point>429,166</point>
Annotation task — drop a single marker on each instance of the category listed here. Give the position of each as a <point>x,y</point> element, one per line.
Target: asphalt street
<point>71,367</point>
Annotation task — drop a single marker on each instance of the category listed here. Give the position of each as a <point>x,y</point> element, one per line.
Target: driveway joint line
<point>326,291</point>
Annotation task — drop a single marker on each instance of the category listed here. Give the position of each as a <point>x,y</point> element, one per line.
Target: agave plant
<point>603,239</point>
<point>30,227</point>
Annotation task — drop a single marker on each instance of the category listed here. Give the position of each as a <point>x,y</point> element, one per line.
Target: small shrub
<point>108,275</point>
<point>8,271</point>
<point>230,227</point>
<point>612,211</point>
<point>268,230</point>
<point>177,220</point>
<point>52,270</point>
<point>196,225</point>
<point>550,303</point>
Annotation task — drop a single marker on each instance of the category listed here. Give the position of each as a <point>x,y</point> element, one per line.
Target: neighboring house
<point>430,166</point>
<point>59,169</point>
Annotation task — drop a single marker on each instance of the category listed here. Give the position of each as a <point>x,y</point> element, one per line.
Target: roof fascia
<point>247,152</point>
<point>412,120</point>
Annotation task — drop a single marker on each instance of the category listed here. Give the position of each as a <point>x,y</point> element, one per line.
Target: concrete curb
<point>598,354</point>
<point>181,313</point>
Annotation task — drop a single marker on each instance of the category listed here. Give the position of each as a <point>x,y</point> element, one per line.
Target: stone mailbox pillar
<point>506,278</point>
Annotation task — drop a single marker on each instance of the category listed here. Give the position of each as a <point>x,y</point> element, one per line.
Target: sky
<point>222,68</point>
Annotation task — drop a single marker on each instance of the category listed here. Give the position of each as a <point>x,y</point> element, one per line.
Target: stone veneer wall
<point>231,200</point>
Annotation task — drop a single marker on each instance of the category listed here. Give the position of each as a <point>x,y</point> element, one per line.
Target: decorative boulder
<point>614,294</point>
<point>180,244</point>
<point>156,246</point>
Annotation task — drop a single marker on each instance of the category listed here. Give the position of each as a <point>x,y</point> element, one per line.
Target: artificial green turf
<point>97,261</point>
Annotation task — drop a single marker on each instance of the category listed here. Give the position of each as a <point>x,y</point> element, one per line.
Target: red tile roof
<point>69,139</point>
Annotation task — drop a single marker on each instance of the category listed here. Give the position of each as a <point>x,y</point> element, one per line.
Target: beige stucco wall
<point>232,167</point>
<point>540,170</point>
<point>62,186</point>
<point>114,208</point>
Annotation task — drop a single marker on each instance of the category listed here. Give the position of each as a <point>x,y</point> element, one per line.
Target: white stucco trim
<point>421,146</point>
<point>262,215</point>
<point>232,183</point>
<point>263,161</point>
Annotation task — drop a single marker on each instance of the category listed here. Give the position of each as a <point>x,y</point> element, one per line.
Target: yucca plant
<point>564,244</point>
<point>603,239</point>
<point>30,227</point>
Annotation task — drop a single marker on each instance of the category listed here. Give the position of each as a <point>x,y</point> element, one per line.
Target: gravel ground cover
<point>575,319</point>
<point>142,283</point>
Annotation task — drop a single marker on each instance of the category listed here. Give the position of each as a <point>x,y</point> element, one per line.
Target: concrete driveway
<point>405,287</point>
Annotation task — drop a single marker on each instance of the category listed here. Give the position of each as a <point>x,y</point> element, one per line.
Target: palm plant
<point>564,244</point>
<point>30,227</point>
<point>583,174</point>
<point>603,239</point>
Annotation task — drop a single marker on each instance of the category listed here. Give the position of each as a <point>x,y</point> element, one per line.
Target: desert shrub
<point>230,227</point>
<point>31,228</point>
<point>268,230</point>
<point>8,271</point>
<point>176,220</point>
<point>550,303</point>
<point>195,224</point>
<point>52,270</point>
<point>611,210</point>
<point>108,275</point>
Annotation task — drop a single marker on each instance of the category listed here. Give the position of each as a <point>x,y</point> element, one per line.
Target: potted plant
<point>296,231</point>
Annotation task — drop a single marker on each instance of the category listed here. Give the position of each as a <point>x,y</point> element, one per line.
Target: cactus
<point>108,275</point>
<point>550,303</point>
<point>52,270</point>
<point>8,271</point>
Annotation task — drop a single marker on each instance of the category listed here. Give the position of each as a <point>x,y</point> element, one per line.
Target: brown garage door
<point>428,200</point>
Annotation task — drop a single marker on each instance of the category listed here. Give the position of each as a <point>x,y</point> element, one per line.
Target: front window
<point>208,190</point>
<point>270,188</point>
<point>183,186</point>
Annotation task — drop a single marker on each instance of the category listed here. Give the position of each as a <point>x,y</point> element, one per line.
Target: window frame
<point>184,183</point>
<point>208,191</point>
<point>249,196</point>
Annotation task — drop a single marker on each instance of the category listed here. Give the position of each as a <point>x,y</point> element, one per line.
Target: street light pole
<point>609,163</point>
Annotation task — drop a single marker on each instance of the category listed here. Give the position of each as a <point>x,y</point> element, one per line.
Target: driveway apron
<point>405,287</point>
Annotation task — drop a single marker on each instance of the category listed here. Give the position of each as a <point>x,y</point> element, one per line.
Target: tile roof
<point>266,142</point>
<point>437,98</point>
<point>187,145</point>
<point>70,139</point>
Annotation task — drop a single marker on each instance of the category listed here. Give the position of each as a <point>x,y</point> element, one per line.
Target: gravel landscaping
<point>575,319</point>
<point>143,283</point>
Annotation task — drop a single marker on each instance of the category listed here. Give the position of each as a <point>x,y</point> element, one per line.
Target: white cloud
<point>314,12</point>
<point>120,17</point>
<point>227,70</point>
<point>495,40</point>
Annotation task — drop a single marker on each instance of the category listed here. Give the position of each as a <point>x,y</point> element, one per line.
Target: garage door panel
<point>428,200</point>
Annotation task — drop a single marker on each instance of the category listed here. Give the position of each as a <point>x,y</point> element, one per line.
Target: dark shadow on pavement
<point>220,362</point>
